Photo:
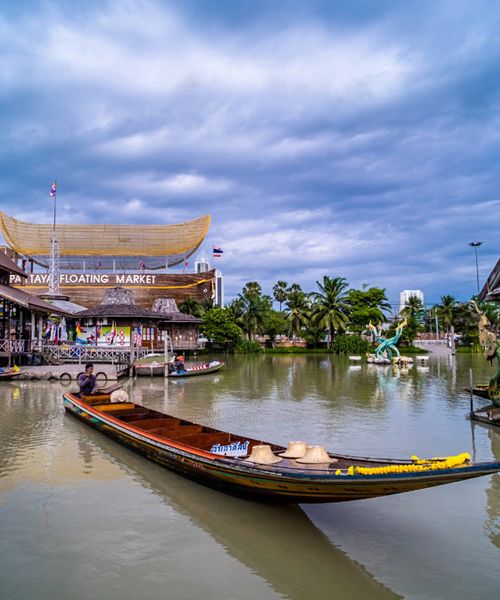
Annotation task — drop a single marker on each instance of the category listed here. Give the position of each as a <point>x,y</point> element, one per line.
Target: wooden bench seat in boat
<point>148,424</point>
<point>176,433</point>
<point>110,407</point>
<point>96,398</point>
<point>204,441</point>
<point>134,415</point>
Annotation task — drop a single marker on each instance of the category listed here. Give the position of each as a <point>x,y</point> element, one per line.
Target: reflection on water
<point>492,524</point>
<point>70,497</point>
<point>280,544</point>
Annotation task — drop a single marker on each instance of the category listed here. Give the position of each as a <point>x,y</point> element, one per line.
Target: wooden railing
<point>116,355</point>
<point>16,346</point>
<point>76,352</point>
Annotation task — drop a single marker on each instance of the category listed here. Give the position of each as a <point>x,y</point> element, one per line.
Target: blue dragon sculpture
<point>387,346</point>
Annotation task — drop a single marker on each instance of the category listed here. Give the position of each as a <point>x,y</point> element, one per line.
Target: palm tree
<point>446,311</point>
<point>252,308</point>
<point>252,289</point>
<point>280,292</point>
<point>330,310</point>
<point>413,307</point>
<point>191,307</point>
<point>297,304</point>
<point>411,312</point>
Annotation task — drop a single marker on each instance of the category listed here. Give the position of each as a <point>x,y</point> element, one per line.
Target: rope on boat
<point>431,464</point>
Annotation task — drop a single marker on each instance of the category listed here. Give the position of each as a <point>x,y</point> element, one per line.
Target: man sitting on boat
<point>87,381</point>
<point>179,365</point>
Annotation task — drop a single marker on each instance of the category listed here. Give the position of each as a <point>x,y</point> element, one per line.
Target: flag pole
<point>54,193</point>
<point>54,250</point>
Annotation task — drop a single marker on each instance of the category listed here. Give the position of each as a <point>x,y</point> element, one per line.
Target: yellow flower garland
<point>419,465</point>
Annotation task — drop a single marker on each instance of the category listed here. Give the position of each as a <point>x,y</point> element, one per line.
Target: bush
<point>247,347</point>
<point>350,344</point>
<point>294,350</point>
<point>412,350</point>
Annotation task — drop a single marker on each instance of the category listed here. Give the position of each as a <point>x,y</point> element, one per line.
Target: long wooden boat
<point>488,414</point>
<point>8,374</point>
<point>482,390</point>
<point>149,369</point>
<point>221,460</point>
<point>203,369</point>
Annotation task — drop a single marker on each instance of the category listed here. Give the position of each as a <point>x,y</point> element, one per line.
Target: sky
<point>351,139</point>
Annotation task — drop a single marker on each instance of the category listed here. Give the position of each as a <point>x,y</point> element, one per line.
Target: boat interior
<point>173,428</point>
<point>205,438</point>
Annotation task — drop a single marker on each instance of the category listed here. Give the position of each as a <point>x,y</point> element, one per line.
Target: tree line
<point>334,315</point>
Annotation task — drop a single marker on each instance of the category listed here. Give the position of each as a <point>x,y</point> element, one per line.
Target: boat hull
<point>193,372</point>
<point>149,371</point>
<point>482,391</point>
<point>269,483</point>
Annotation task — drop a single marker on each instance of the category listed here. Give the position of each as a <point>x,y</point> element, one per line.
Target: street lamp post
<point>476,245</point>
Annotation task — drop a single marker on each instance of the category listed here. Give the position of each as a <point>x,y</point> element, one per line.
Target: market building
<point>24,318</point>
<point>119,322</point>
<point>94,258</point>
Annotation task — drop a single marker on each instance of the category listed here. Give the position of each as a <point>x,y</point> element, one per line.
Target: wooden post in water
<point>471,387</point>
<point>165,339</point>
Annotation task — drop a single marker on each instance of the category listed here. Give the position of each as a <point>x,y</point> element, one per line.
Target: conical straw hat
<point>295,450</point>
<point>316,455</point>
<point>119,396</point>
<point>263,455</point>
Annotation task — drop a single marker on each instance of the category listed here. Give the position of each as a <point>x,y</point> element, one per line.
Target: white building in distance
<point>405,296</point>
<point>202,266</point>
<point>219,289</point>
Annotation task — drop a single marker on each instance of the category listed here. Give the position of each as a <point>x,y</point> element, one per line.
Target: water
<point>82,517</point>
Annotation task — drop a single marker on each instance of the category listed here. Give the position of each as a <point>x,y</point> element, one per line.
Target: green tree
<point>208,303</point>
<point>297,309</point>
<point>330,309</point>
<point>446,312</point>
<point>191,307</point>
<point>280,292</point>
<point>466,323</point>
<point>412,312</point>
<point>219,328</point>
<point>253,308</point>
<point>367,305</point>
<point>274,324</point>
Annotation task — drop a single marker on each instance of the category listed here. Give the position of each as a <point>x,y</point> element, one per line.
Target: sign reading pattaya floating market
<point>88,289</point>
<point>89,279</point>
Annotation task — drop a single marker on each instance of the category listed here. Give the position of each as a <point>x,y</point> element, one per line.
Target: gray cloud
<point>356,140</point>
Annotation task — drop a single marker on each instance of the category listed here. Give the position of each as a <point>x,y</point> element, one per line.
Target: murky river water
<point>82,517</point>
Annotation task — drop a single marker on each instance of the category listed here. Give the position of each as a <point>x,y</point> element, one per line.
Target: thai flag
<point>217,252</point>
<point>53,189</point>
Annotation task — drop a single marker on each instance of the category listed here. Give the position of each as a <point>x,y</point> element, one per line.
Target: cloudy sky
<point>357,139</point>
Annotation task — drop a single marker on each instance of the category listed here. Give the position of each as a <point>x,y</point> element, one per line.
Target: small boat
<point>246,467</point>
<point>482,390</point>
<point>211,367</point>
<point>488,414</point>
<point>150,368</point>
<point>150,365</point>
<point>8,374</point>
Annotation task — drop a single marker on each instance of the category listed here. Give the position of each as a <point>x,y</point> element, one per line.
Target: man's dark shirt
<point>87,383</point>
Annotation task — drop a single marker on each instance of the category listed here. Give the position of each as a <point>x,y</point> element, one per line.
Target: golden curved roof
<point>167,241</point>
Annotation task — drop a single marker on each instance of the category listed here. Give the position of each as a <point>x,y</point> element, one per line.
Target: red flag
<point>53,189</point>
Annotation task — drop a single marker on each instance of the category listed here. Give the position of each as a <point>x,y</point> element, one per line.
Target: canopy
<point>29,300</point>
<point>135,246</point>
